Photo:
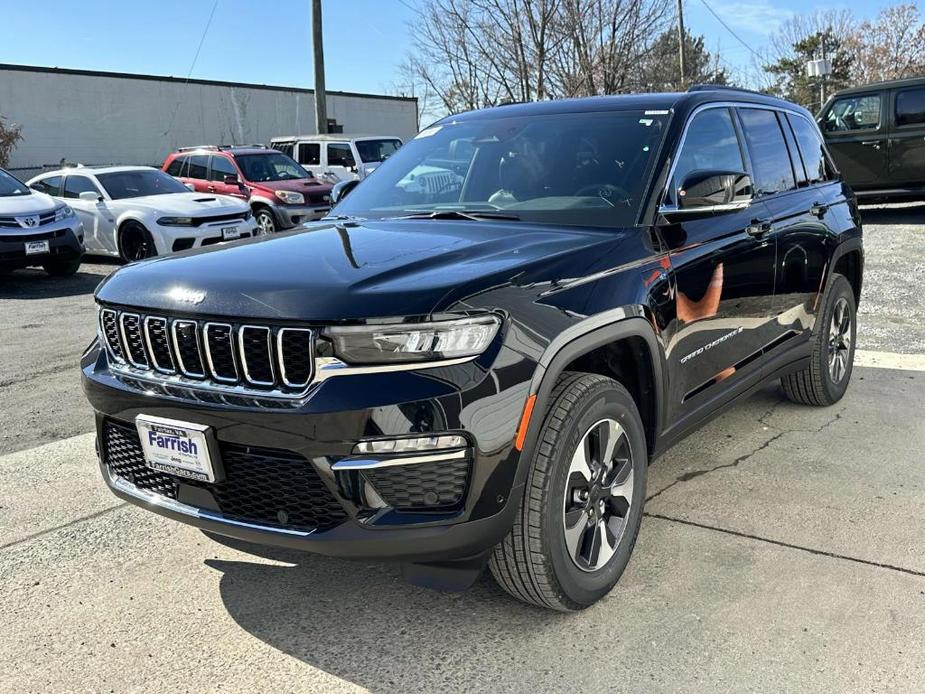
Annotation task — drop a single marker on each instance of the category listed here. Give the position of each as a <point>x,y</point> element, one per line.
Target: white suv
<point>333,158</point>
<point>137,212</point>
<point>36,230</point>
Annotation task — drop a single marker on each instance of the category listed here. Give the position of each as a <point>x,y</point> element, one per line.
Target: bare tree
<point>890,47</point>
<point>10,135</point>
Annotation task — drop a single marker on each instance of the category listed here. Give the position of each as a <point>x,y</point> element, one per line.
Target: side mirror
<point>231,180</point>
<point>190,186</point>
<point>341,189</point>
<point>90,196</point>
<point>711,189</point>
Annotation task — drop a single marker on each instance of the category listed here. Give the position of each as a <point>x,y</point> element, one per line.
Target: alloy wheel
<point>136,245</point>
<point>839,340</point>
<point>598,495</point>
<point>265,224</point>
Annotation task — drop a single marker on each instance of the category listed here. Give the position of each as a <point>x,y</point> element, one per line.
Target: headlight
<point>63,212</point>
<point>412,342</point>
<point>290,197</point>
<point>175,221</point>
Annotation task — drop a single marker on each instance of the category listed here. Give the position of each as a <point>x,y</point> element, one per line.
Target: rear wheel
<point>582,504</point>
<point>266,223</point>
<point>135,243</point>
<point>61,268</point>
<point>825,380</point>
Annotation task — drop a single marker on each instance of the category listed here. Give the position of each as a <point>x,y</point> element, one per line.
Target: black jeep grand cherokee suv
<point>475,360</point>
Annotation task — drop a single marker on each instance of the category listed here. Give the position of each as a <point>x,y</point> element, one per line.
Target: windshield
<point>275,166</point>
<point>376,150</point>
<point>10,186</point>
<point>134,184</point>
<point>576,169</point>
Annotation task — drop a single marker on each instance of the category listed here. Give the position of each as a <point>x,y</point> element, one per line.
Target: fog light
<point>410,445</point>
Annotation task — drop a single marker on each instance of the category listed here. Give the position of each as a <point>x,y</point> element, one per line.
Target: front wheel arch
<point>126,225</point>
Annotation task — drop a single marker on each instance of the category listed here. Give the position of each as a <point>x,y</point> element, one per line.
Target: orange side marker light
<point>524,423</point>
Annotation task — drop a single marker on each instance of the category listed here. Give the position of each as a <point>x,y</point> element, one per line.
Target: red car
<point>281,193</point>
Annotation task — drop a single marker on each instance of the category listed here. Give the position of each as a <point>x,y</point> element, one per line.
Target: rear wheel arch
<point>849,263</point>
<point>627,351</point>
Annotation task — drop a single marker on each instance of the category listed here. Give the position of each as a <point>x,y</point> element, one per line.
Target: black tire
<point>62,268</point>
<point>533,562</point>
<point>136,243</point>
<point>266,221</point>
<point>817,384</point>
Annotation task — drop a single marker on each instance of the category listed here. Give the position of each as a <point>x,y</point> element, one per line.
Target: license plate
<point>177,448</point>
<point>229,233</point>
<point>36,247</point>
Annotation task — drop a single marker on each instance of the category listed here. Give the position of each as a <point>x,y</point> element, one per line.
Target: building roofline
<point>211,83</point>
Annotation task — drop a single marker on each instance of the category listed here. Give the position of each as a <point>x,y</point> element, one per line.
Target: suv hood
<point>188,204</point>
<point>299,185</point>
<point>375,269</point>
<point>33,203</point>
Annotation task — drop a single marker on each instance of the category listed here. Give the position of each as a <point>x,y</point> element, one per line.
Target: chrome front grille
<point>231,357</point>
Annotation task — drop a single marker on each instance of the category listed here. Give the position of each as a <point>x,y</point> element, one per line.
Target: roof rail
<point>723,87</point>
<point>220,147</point>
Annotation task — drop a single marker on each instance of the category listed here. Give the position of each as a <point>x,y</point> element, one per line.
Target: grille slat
<point>271,487</point>
<point>234,358</point>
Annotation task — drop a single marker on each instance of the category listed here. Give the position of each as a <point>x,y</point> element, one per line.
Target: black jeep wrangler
<point>474,360</point>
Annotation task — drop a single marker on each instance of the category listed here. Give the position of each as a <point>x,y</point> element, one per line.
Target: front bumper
<point>65,241</point>
<point>323,430</point>
<point>294,215</point>
<point>171,239</point>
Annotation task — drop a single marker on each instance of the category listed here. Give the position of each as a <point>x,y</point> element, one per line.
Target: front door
<point>856,133</point>
<point>97,220</point>
<point>221,167</point>
<point>907,139</point>
<point>723,271</point>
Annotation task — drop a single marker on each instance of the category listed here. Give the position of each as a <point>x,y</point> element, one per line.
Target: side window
<point>711,144</point>
<point>50,185</point>
<point>910,107</point>
<point>221,167</point>
<point>284,147</point>
<point>767,150</point>
<point>339,154</point>
<point>75,185</point>
<point>198,166</point>
<point>848,113</point>
<point>175,166</point>
<point>796,163</point>
<point>811,149</point>
<point>310,153</point>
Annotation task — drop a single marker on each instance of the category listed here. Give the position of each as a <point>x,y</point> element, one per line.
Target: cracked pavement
<point>781,550</point>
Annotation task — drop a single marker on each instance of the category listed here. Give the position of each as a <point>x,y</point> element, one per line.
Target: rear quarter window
<point>910,107</point>
<point>175,168</point>
<point>812,149</point>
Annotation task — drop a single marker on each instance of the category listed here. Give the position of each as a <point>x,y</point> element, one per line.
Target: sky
<point>269,41</point>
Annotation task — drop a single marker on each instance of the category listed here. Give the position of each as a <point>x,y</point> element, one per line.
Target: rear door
<point>308,154</point>
<point>856,132</point>
<point>907,138</point>
<point>341,165</point>
<point>197,172</point>
<point>723,272</point>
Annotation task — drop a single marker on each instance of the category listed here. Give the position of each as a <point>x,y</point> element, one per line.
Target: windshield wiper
<point>472,215</point>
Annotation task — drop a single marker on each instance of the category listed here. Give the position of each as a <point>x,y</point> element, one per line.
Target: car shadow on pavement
<point>361,622</point>
<point>894,214</point>
<point>34,283</point>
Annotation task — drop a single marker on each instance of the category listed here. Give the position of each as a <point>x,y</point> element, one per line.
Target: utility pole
<point>681,42</point>
<point>822,81</point>
<point>321,106</point>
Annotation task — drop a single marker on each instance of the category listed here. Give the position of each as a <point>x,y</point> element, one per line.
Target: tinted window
<point>175,167</point>
<point>50,185</point>
<point>340,155</point>
<point>910,107</point>
<point>284,147</point>
<point>10,185</point>
<point>767,150</point>
<point>796,164</point>
<point>853,113</point>
<point>583,169</point>
<point>309,153</point>
<point>133,184</point>
<point>198,166</point>
<point>710,145</point>
<point>376,150</point>
<point>811,148</point>
<point>75,185</point>
<point>221,167</point>
<point>274,166</point>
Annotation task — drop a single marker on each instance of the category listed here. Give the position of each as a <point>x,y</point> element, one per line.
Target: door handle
<point>758,228</point>
<point>211,189</point>
<point>872,143</point>
<point>818,209</point>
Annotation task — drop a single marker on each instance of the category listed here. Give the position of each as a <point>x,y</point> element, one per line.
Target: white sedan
<point>137,212</point>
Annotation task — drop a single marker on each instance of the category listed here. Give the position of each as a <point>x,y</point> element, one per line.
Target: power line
<point>727,27</point>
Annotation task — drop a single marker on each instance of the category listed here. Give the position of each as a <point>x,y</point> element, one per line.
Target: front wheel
<point>136,243</point>
<point>582,504</point>
<point>61,268</point>
<point>266,224</point>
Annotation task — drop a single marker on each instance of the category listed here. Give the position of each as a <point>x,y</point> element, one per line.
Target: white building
<point>88,117</point>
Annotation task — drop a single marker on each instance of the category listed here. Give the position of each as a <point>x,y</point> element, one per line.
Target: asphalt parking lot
<point>782,549</point>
